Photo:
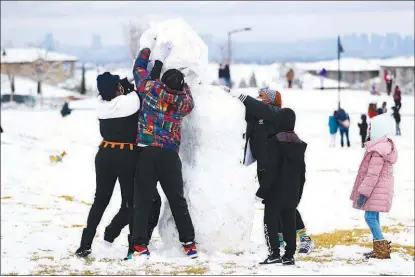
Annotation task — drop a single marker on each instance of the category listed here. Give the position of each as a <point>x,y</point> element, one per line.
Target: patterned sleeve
<point>187,104</point>
<point>140,67</point>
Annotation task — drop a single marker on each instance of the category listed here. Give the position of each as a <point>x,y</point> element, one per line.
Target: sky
<point>75,23</point>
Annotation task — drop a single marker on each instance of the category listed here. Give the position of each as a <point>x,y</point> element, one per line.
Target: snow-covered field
<point>44,206</point>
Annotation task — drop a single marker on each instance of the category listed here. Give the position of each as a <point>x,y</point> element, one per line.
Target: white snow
<point>346,64</point>
<point>44,206</point>
<point>399,62</point>
<point>29,55</point>
<point>40,230</point>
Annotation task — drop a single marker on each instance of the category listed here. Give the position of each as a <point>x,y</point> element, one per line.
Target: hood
<point>292,147</point>
<point>384,147</point>
<point>286,120</point>
<point>381,126</point>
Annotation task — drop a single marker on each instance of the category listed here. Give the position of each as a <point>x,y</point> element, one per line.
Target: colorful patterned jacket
<point>162,108</point>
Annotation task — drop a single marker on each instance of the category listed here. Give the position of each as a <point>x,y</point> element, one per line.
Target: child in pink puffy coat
<point>373,188</point>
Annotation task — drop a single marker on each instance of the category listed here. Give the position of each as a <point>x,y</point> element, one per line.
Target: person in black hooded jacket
<point>280,167</point>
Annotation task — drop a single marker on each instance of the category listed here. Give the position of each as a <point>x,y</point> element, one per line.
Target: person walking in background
<point>333,126</point>
<point>65,111</point>
<point>290,77</point>
<point>397,97</point>
<point>374,186</point>
<point>388,77</point>
<point>221,74</point>
<point>227,75</point>
<point>363,129</point>
<point>397,116</point>
<point>323,74</point>
<point>344,123</point>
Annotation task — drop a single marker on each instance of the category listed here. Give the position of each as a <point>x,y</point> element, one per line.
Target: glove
<point>361,201</point>
<point>148,38</point>
<point>163,52</point>
<point>231,92</point>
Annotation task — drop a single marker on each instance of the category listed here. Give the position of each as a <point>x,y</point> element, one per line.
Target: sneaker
<point>306,245</point>
<point>288,261</point>
<point>272,259</point>
<point>139,250</point>
<point>83,251</point>
<point>190,249</point>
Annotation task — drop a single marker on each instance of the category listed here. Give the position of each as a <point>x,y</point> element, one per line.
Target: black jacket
<point>396,115</point>
<point>261,123</point>
<point>363,128</point>
<point>284,182</point>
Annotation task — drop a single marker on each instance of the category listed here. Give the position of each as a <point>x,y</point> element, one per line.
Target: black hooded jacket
<point>284,181</point>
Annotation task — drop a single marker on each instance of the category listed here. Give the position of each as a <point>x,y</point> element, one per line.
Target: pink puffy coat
<point>375,177</point>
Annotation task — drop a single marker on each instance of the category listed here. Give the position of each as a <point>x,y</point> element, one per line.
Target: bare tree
<point>242,84</point>
<point>10,72</point>
<point>133,32</point>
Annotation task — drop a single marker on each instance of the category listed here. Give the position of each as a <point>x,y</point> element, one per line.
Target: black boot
<point>273,258</point>
<point>86,242</point>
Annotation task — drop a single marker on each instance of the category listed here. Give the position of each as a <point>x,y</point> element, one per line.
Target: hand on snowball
<point>163,52</point>
<point>231,92</point>
<point>148,39</point>
<point>361,201</point>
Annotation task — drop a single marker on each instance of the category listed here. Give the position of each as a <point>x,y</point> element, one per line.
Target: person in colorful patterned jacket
<point>373,189</point>
<point>165,103</point>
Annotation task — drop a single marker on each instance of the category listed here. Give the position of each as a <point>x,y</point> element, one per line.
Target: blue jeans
<point>344,131</point>
<point>372,220</point>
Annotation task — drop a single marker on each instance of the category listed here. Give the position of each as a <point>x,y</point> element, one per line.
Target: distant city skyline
<point>79,23</point>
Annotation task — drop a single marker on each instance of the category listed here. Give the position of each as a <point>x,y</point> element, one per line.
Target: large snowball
<point>218,188</point>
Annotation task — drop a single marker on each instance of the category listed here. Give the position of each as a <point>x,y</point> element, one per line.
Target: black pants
<point>272,217</point>
<point>290,83</point>
<point>110,164</point>
<point>389,87</point>
<point>398,104</point>
<point>164,166</point>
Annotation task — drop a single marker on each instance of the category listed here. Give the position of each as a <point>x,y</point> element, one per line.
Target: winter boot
<point>86,242</point>
<point>130,251</point>
<point>288,260</point>
<point>273,258</point>
<point>381,249</point>
<point>190,249</point>
<point>306,245</point>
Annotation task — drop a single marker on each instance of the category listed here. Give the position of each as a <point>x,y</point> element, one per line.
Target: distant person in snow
<point>333,126</point>
<point>397,97</point>
<point>65,111</point>
<point>373,90</point>
<point>382,109</point>
<point>1,129</point>
<point>227,75</point>
<point>165,103</point>
<point>221,75</point>
<point>116,159</point>
<point>270,129</point>
<point>388,77</point>
<point>372,110</point>
<point>323,74</point>
<point>290,77</point>
<point>373,189</point>
<point>363,129</point>
<point>397,116</point>
<point>344,123</point>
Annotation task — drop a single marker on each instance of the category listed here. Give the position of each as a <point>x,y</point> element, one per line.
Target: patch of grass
<point>228,265</point>
<point>36,258</point>
<point>190,270</point>
<point>6,197</point>
<point>12,274</point>
<point>107,260</point>
<point>66,197</point>
<point>77,226</point>
<point>87,272</point>
<point>89,260</point>
<point>86,203</point>
<point>46,270</point>
<point>40,208</point>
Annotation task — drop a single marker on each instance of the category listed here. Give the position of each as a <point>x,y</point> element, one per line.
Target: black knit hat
<point>174,79</point>
<point>107,85</point>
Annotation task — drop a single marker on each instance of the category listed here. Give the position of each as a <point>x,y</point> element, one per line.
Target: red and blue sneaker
<point>139,250</point>
<point>190,249</point>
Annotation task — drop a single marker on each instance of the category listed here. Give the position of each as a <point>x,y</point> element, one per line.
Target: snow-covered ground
<point>44,206</point>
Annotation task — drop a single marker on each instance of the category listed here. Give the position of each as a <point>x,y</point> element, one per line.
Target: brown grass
<point>66,197</point>
<point>6,197</point>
